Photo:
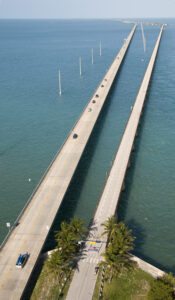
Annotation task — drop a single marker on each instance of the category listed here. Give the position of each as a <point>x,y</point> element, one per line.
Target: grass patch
<point>48,286</point>
<point>134,284</point>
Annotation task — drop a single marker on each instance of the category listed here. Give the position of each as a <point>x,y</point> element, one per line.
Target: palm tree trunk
<point>110,276</point>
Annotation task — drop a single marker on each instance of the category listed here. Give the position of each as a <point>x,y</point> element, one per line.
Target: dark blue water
<point>35,120</point>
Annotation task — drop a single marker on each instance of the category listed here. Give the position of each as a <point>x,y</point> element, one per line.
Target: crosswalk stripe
<point>91,260</point>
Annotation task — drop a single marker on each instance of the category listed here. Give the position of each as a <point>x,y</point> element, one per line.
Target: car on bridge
<point>75,136</point>
<point>22,259</point>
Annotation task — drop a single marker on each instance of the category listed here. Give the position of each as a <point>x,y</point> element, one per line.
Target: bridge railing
<point>17,221</point>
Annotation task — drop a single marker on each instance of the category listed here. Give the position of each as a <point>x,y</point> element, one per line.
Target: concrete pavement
<point>36,220</point>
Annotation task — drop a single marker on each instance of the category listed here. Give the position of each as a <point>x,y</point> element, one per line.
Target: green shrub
<point>162,289</point>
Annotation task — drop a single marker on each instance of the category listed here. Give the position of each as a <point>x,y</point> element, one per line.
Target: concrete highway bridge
<point>83,283</point>
<point>33,225</point>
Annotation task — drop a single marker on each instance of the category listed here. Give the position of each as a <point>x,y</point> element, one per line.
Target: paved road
<point>83,283</point>
<point>35,222</point>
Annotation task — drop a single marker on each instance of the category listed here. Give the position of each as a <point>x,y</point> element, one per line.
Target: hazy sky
<point>86,8</point>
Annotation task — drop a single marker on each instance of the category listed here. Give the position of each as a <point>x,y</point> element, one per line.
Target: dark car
<point>96,95</point>
<point>22,259</point>
<point>75,136</point>
<point>93,101</point>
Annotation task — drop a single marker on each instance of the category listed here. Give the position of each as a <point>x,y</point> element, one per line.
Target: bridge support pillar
<point>129,164</point>
<point>123,186</point>
<point>137,132</point>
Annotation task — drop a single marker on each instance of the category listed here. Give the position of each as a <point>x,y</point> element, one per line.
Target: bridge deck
<point>37,218</point>
<point>84,279</point>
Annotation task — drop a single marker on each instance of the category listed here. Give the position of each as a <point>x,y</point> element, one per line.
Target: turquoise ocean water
<point>35,120</point>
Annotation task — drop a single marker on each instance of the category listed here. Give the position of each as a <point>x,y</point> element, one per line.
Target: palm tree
<point>120,242</point>
<point>67,247</point>
<point>125,237</point>
<point>110,227</point>
<point>76,226</point>
<point>66,244</point>
<point>67,238</point>
<point>64,228</point>
<point>54,264</point>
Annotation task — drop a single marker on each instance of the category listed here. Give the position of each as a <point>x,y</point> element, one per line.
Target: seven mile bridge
<point>32,226</point>
<point>83,283</point>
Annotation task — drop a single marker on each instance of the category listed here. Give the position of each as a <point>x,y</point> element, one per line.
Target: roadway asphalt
<point>35,223</point>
